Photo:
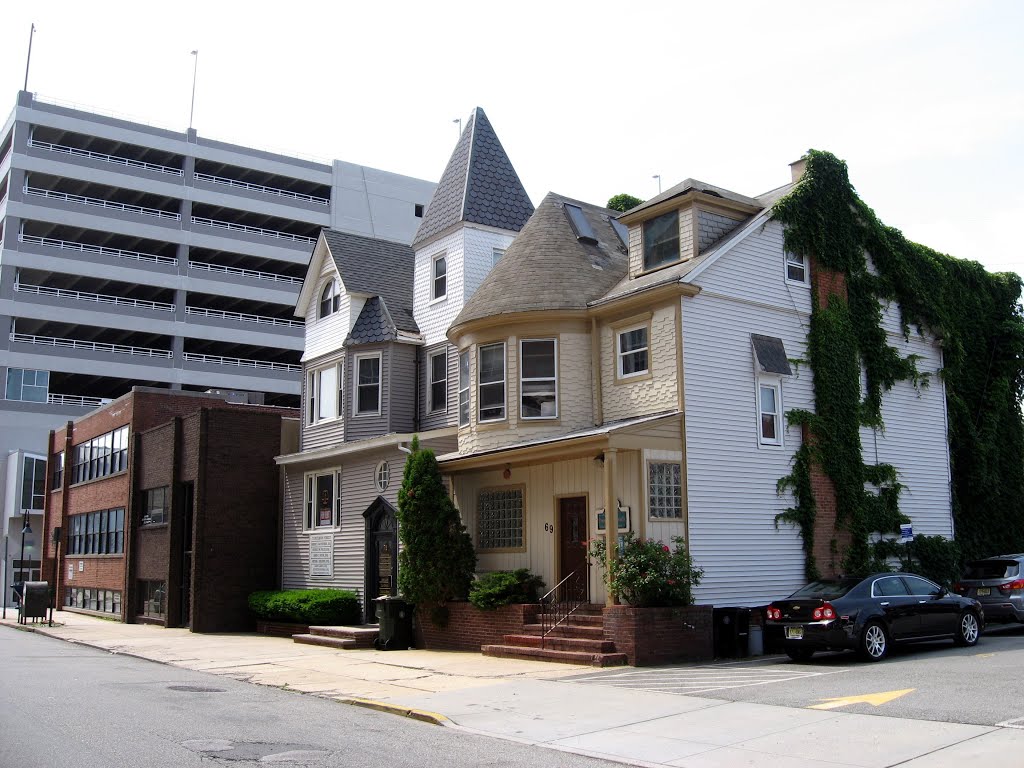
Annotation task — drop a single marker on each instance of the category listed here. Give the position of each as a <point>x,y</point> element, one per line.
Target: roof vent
<point>580,225</point>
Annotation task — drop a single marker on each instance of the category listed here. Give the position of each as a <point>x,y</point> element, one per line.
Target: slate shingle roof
<point>692,184</point>
<point>376,267</point>
<point>479,185</point>
<point>373,325</point>
<point>547,267</point>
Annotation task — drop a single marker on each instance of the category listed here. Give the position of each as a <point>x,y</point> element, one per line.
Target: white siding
<point>324,335</point>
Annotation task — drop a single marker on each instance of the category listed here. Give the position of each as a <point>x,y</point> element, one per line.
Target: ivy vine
<point>977,317</point>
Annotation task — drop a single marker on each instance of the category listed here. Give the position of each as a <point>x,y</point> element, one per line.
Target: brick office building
<point>166,505</point>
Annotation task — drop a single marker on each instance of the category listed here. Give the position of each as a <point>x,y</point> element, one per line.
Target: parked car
<point>998,584</point>
<point>868,615</point>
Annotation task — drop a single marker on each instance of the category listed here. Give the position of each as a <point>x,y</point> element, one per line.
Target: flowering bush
<point>648,573</point>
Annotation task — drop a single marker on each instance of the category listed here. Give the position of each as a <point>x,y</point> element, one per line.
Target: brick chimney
<point>797,168</point>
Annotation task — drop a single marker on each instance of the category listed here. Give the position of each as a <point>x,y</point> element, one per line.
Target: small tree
<point>437,561</point>
<point>623,202</point>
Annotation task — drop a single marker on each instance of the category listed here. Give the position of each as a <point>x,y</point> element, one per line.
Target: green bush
<point>934,557</point>
<point>498,588</point>
<point>648,573</point>
<point>307,606</point>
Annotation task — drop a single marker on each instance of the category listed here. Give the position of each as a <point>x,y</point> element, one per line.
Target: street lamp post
<point>25,528</point>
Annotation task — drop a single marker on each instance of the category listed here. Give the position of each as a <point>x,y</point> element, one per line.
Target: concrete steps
<point>343,638</point>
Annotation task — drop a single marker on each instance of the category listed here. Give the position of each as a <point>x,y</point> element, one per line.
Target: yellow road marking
<point>984,655</point>
<point>874,699</point>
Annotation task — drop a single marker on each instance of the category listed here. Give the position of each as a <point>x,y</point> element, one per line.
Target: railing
<point>241,362</point>
<point>79,400</point>
<point>139,209</point>
<point>561,602</point>
<point>116,159</point>
<point>252,230</point>
<point>243,317</point>
<point>99,298</point>
<point>100,249</point>
<point>245,272</point>
<point>93,346</point>
<point>260,188</point>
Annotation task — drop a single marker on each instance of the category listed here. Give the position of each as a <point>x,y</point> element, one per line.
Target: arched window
<point>330,299</point>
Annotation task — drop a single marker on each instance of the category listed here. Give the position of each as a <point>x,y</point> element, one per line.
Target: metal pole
<point>195,69</point>
<point>6,585</point>
<point>28,59</point>
<point>53,585</point>
<point>24,527</point>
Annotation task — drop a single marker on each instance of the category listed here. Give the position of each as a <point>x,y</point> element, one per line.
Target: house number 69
<point>549,527</point>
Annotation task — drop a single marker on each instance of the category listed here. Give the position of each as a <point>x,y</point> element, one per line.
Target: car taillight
<point>1018,584</point>
<point>774,614</point>
<point>959,588</point>
<point>825,612</point>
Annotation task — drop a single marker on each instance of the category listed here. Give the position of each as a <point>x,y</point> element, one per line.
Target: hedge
<point>307,606</point>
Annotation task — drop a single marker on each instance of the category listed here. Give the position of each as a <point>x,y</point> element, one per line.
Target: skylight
<point>580,225</point>
<point>620,230</point>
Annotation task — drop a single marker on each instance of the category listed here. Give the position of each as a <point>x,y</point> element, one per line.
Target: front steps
<point>344,638</point>
<point>577,640</point>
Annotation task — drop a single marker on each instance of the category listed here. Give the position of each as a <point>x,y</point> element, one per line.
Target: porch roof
<point>369,444</point>
<point>625,434</point>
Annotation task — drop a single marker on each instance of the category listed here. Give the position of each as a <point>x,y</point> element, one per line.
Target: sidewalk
<point>525,701</point>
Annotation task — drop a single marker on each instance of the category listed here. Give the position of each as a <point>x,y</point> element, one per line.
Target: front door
<point>572,543</point>
<point>381,554</point>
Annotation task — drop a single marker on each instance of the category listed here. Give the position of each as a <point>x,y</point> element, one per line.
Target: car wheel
<point>967,630</point>
<point>799,654</point>
<point>874,642</point>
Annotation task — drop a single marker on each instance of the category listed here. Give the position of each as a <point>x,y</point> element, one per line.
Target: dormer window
<point>661,240</point>
<point>330,299</point>
<point>439,278</point>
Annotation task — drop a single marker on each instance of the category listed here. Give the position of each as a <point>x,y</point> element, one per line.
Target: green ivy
<point>976,315</point>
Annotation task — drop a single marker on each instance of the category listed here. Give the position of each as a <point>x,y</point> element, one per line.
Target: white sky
<point>923,99</point>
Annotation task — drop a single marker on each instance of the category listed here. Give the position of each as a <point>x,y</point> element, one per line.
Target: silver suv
<point>998,584</point>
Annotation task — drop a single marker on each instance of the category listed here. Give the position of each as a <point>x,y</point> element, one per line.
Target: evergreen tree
<point>436,561</point>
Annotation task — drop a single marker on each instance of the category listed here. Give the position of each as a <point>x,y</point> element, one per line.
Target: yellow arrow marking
<point>875,699</point>
<point>984,655</point>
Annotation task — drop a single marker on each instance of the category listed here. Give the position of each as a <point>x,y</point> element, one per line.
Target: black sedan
<point>868,615</point>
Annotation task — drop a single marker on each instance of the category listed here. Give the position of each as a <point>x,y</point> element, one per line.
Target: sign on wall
<point>321,555</point>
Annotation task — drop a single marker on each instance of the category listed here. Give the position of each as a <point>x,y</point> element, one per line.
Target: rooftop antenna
<point>459,121</point>
<point>658,177</point>
<point>195,69</point>
<point>28,59</point>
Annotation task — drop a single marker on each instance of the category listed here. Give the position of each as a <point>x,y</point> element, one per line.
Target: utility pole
<point>28,59</point>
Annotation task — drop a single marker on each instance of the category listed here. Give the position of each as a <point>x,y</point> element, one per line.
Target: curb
<point>434,718</point>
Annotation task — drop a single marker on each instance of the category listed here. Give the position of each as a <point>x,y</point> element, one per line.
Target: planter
<point>651,636</point>
<point>469,628</point>
<point>281,628</point>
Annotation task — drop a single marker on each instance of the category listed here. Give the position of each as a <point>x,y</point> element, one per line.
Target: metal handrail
<point>117,159</point>
<point>100,249</point>
<point>260,188</point>
<point>99,298</point>
<point>95,346</point>
<point>80,400</point>
<point>241,362</point>
<point>245,272</point>
<point>243,317</point>
<point>561,602</point>
<point>252,230</point>
<point>139,209</point>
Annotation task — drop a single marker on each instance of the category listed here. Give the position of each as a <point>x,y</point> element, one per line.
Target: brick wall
<point>651,636</point>
<point>469,628</point>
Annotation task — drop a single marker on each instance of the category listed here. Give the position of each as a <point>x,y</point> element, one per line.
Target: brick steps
<point>586,644</point>
<point>567,630</point>
<point>343,638</point>
<point>588,658</point>
<point>578,639</point>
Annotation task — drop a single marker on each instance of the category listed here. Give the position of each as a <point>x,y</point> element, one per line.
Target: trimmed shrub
<point>498,588</point>
<point>307,606</point>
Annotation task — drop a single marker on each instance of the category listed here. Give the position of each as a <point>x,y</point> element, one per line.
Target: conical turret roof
<point>479,186</point>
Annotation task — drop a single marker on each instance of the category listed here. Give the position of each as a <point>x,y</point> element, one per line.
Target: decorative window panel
<point>500,519</point>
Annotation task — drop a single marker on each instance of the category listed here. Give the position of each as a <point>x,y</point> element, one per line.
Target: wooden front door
<point>572,542</point>
<point>381,555</point>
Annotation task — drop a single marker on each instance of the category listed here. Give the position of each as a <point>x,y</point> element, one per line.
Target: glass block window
<point>499,515</point>
<point>665,490</point>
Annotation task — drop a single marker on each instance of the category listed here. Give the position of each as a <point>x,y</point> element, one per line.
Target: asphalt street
<point>68,705</point>
<point>935,681</point>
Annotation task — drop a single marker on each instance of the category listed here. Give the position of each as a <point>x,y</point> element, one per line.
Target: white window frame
<point>619,354</point>
<point>523,380</point>
<point>355,382</point>
<point>796,260</point>
<point>434,277</point>
<point>334,290</point>
<point>496,254</point>
<point>776,386</point>
<point>310,519</point>
<point>314,393</point>
<point>382,475</point>
<point>480,385</point>
<point>432,406</point>
<point>464,386</point>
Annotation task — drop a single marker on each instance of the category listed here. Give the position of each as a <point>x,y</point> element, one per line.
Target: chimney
<point>797,168</point>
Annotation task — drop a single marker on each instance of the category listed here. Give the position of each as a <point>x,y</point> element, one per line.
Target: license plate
<point>984,591</point>
<point>794,633</point>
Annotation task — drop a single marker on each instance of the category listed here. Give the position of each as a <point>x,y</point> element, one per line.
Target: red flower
<point>666,549</point>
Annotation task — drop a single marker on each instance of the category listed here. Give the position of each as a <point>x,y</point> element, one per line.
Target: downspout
<point>418,387</point>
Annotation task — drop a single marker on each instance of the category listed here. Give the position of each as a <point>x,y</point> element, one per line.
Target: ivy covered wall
<point>977,318</point>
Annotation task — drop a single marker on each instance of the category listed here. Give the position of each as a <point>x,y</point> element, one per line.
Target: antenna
<point>195,69</point>
<point>28,59</point>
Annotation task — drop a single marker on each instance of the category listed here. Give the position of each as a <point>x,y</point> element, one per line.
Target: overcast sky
<point>924,100</point>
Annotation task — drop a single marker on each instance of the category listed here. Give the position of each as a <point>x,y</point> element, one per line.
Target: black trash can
<point>732,627</point>
<point>394,621</point>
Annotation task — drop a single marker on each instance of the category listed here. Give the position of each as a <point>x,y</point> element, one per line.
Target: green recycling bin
<point>394,620</point>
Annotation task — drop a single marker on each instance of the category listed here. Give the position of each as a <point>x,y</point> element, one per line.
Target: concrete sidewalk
<point>527,702</point>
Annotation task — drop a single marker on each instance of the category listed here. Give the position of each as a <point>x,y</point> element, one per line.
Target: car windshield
<point>826,590</point>
<point>992,569</point>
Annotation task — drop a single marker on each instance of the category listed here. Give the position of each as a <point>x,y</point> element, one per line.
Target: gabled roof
<point>693,185</point>
<point>548,266</point>
<point>374,324</point>
<point>479,185</point>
